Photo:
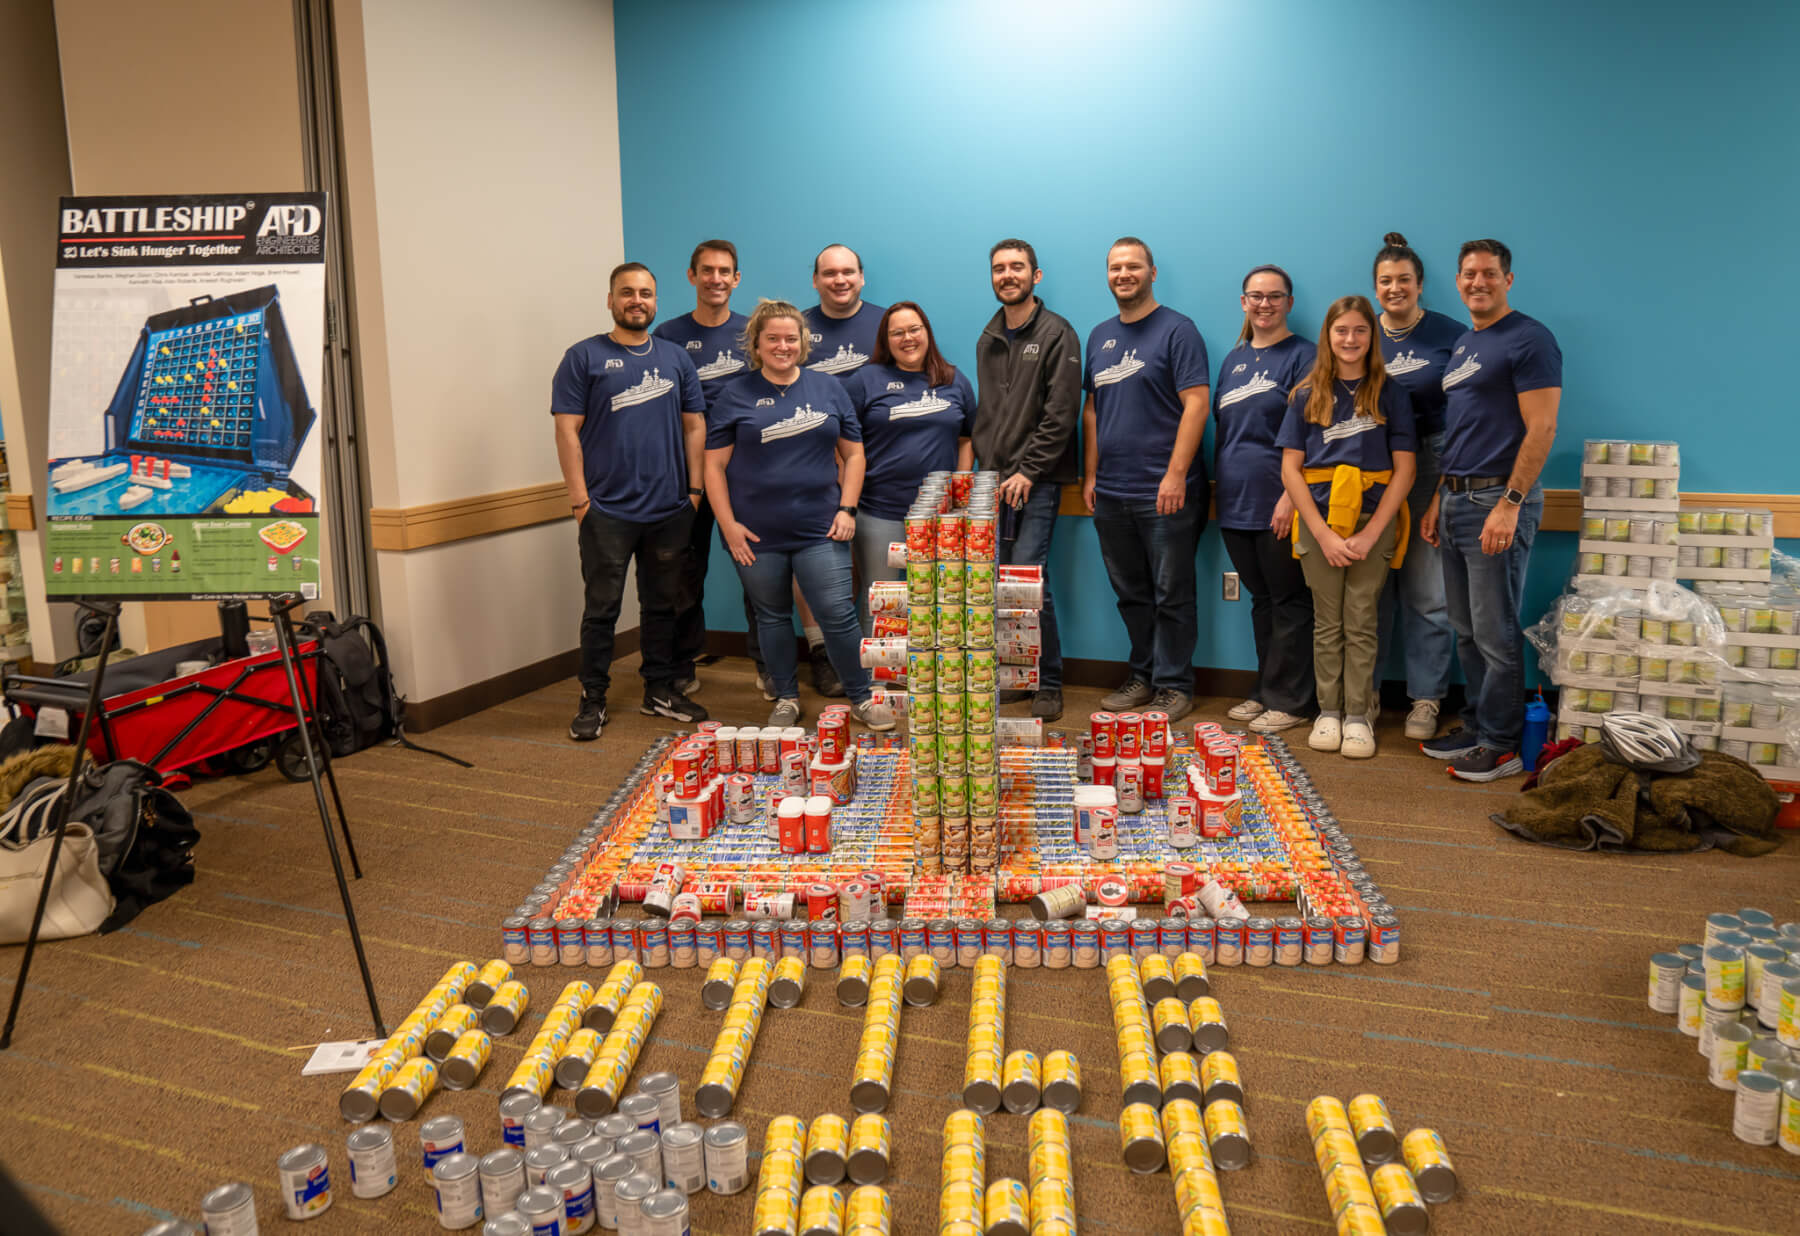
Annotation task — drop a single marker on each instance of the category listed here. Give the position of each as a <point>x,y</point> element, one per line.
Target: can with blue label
<point>853,938</point>
<point>541,939</point>
<point>653,942</point>
<point>1288,936</point>
<point>969,942</point>
<point>735,939</point>
<point>940,941</point>
<point>515,940</point>
<point>883,938</point>
<point>1172,937</point>
<point>597,941</point>
<point>625,942</point>
<point>997,940</point>
<point>912,938</point>
<point>765,940</point>
<point>709,943</point>
<point>1059,948</point>
<point>793,939</point>
<point>1115,938</point>
<point>822,944</point>
<point>1028,943</point>
<point>1384,939</point>
<point>1145,939</point>
<point>683,954</point>
<point>1084,936</point>
<point>1350,940</point>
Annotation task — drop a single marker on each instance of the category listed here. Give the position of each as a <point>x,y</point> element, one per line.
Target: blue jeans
<point>1484,592</point>
<point>1150,560</point>
<point>823,570</point>
<point>1029,545</point>
<point>1412,604</point>
<point>873,535</point>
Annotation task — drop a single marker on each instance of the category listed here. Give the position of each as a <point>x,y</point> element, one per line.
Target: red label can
<point>1155,740</point>
<point>1104,769</point>
<point>716,897</point>
<point>1225,768</point>
<point>949,537</point>
<point>725,751</point>
<point>1129,731</point>
<point>921,538</point>
<point>684,765</point>
<point>793,834</point>
<point>821,899</point>
<point>747,742</point>
<point>768,750</point>
<point>834,737</point>
<point>1153,776</point>
<point>818,825</point>
<point>1104,727</point>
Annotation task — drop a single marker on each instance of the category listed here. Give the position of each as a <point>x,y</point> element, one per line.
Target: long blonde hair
<point>767,310</point>
<point>1321,398</point>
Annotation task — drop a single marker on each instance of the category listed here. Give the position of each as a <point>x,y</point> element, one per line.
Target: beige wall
<point>34,172</point>
<point>478,135</point>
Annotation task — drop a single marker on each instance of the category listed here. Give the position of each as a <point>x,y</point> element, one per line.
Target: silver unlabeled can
<point>644,1149</point>
<point>229,1210</point>
<point>458,1186</point>
<point>374,1171</point>
<point>305,1181</point>
<point>665,1213</point>
<point>632,1192</point>
<point>540,1161</point>
<point>502,1179</point>
<point>727,1147</point>
<point>684,1157</point>
<point>1757,1109</point>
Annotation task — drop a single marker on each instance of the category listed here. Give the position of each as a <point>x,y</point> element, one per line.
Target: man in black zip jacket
<point>1028,369</point>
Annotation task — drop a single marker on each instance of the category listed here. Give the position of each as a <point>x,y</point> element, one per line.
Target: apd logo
<point>1031,349</point>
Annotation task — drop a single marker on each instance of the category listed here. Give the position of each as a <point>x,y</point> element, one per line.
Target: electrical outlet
<point>1231,585</point>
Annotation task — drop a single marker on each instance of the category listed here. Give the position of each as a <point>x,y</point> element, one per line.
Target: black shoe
<point>1016,697</point>
<point>1046,705</point>
<point>1452,746</point>
<point>663,700</point>
<point>825,678</point>
<point>1486,764</point>
<point>589,719</point>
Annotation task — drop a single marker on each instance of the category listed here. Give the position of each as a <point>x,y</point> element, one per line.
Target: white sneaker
<point>1272,719</point>
<point>875,716</point>
<point>1422,721</point>
<point>1327,733</point>
<point>1359,741</point>
<point>766,685</point>
<point>1249,710</point>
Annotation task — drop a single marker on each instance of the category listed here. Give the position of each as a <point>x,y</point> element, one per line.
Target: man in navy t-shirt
<point>1503,386</point>
<point>842,324</point>
<point>630,432</point>
<point>712,336</point>
<point>1148,390</point>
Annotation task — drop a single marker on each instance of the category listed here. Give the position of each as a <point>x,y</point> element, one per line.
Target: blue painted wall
<point>1640,163</point>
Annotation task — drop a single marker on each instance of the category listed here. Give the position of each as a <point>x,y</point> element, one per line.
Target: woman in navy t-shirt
<point>1415,347</point>
<point>916,412</point>
<point>775,438</point>
<point>1255,515</point>
<point>1347,462</point>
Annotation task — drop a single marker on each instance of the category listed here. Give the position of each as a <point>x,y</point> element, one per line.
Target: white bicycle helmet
<point>1646,743</point>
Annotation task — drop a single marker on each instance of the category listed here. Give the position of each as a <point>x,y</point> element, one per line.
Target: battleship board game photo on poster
<point>186,358</point>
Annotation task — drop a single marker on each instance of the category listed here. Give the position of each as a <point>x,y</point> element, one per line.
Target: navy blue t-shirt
<point>909,428</point>
<point>1418,361</point>
<point>783,471</point>
<point>841,346</point>
<point>715,350</point>
<point>1136,372</point>
<point>632,455</point>
<point>1488,370</point>
<point>1248,403</point>
<point>1360,441</point>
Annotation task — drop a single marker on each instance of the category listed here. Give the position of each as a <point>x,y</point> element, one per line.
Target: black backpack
<point>358,705</point>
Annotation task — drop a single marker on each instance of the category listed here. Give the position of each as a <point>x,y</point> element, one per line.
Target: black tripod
<point>301,699</point>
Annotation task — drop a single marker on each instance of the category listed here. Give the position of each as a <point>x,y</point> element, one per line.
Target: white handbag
<point>80,898</point>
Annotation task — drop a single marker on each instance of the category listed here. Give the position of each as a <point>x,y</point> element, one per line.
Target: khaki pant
<point>1346,626</point>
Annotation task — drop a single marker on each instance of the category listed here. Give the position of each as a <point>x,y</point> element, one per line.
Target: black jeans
<point>1281,618</point>
<point>607,548</point>
<point>690,621</point>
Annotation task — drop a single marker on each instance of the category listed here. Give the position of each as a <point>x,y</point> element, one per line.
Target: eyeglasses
<point>905,332</point>
<point>1265,298</point>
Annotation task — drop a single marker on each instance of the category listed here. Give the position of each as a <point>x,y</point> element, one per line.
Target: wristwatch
<point>696,491</point>
<point>1515,496</point>
<point>848,510</point>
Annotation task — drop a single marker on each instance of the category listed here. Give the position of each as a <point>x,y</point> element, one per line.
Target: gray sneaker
<point>1177,704</point>
<point>785,713</point>
<point>1134,694</point>
<point>875,716</point>
<point>766,685</point>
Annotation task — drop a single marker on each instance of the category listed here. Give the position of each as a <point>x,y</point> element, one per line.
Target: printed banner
<point>187,354</point>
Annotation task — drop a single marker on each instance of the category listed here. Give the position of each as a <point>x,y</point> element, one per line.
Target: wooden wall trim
<point>1562,507</point>
<point>400,529</point>
<point>21,516</point>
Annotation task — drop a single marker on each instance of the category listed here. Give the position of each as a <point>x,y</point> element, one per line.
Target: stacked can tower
<point>1406,1172</point>
<point>872,1078</point>
<point>1737,993</point>
<point>780,1179</point>
<point>962,614</point>
<point>1052,1174</point>
<point>1760,681</point>
<point>724,1069</point>
<point>962,1191</point>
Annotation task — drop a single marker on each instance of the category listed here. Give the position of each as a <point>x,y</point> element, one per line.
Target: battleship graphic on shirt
<point>1461,373</point>
<point>1358,424</point>
<point>924,405</point>
<point>1257,384</point>
<point>653,385</point>
<point>803,420</point>
<point>1127,365</point>
<point>1408,361</point>
<point>846,360</point>
<point>723,366</point>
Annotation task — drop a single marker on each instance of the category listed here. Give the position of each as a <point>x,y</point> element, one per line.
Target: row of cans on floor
<point>1180,1135</point>
<point>1055,944</point>
<point>723,1072</point>
<point>872,1074</point>
<point>759,749</point>
<point>785,1206</point>
<point>1347,1142</point>
<point>858,1150</point>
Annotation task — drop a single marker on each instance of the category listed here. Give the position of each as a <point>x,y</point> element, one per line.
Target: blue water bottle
<point>1537,730</point>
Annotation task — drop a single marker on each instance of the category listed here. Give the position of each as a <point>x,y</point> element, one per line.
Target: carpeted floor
<point>157,1062</point>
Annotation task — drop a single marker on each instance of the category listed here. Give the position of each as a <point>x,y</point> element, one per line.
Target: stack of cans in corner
<point>1738,993</point>
<point>950,663</point>
<point>1407,1173</point>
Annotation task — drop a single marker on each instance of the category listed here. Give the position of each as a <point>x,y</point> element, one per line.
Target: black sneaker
<point>1486,764</point>
<point>589,719</point>
<point>663,700</point>
<point>1047,705</point>
<point>825,678</point>
<point>1177,704</point>
<point>1452,746</point>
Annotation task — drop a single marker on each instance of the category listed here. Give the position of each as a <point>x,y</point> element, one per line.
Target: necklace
<point>648,344</point>
<point>1349,388</point>
<point>1397,336</point>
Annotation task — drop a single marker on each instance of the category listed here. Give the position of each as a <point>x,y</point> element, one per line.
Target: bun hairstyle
<point>1395,249</point>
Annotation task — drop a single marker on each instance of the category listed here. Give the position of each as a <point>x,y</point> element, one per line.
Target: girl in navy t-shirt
<point>1347,462</point>
<point>775,438</point>
<point>916,412</point>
